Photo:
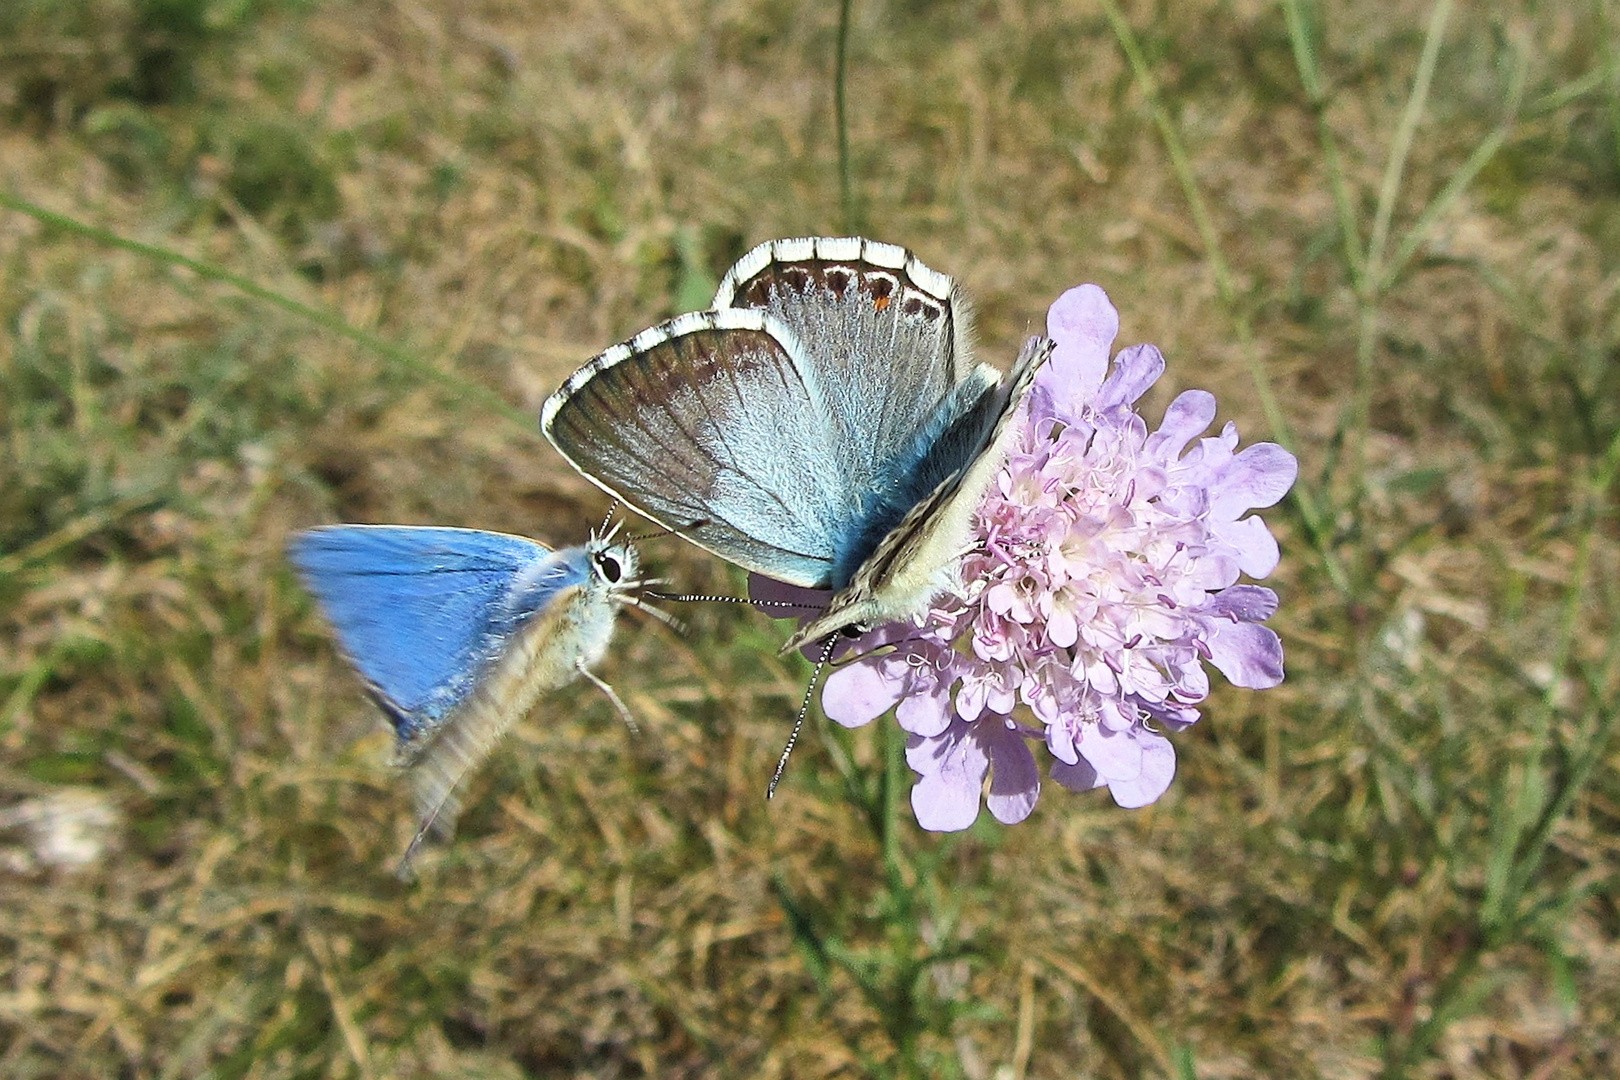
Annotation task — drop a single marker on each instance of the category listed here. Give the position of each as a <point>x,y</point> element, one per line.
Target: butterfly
<point>823,424</point>
<point>457,632</point>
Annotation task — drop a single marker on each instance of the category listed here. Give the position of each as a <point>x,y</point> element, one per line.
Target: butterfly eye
<point>608,567</point>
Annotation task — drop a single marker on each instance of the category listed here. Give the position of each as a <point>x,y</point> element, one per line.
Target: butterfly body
<point>457,632</point>
<point>823,424</point>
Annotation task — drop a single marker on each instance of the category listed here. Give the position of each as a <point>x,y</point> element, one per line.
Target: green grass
<point>364,241</point>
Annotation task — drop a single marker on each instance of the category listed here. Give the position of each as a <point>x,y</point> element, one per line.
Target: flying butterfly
<point>457,632</point>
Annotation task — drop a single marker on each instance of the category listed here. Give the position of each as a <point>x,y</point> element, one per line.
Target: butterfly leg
<point>403,871</point>
<point>629,721</point>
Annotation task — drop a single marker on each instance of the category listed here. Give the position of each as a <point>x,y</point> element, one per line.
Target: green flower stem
<point>1523,829</point>
<point>1610,69</point>
<point>1401,146</point>
<point>1371,281</point>
<point>1537,835</point>
<point>1460,180</point>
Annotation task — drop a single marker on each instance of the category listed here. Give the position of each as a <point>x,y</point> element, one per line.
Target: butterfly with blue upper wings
<point>457,632</point>
<point>823,424</point>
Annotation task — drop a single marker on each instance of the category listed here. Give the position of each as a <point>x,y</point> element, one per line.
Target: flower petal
<point>1248,654</point>
<point>1187,416</point>
<point>1214,572</point>
<point>1061,628</point>
<point>1255,546</point>
<point>1255,478</point>
<point>1245,603</point>
<point>1082,323</point>
<point>1135,369</point>
<point>1114,754</point>
<point>971,697</point>
<point>926,711</point>
<point>860,692</point>
<point>1060,740</point>
<point>1158,769</point>
<point>1015,783</point>
<point>952,767</point>
<point>1174,717</point>
<point>1077,777</point>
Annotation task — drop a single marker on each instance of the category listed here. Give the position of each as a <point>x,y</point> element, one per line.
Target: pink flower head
<point>1105,578</point>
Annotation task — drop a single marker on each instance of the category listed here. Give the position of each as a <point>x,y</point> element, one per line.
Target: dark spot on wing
<point>881,286</point>
<point>918,305</point>
<point>796,278</point>
<point>756,294</point>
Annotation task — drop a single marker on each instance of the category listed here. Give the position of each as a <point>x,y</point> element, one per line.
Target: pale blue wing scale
<point>943,446</point>
<point>421,611</point>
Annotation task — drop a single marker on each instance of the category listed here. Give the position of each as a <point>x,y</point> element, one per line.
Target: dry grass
<point>506,188</point>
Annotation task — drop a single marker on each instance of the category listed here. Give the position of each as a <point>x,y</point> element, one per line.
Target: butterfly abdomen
<point>543,655</point>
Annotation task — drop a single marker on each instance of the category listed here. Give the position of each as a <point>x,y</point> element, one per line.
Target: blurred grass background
<point>1401,862</point>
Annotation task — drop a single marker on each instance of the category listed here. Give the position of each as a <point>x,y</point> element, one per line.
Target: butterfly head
<point>615,564</point>
<point>616,574</point>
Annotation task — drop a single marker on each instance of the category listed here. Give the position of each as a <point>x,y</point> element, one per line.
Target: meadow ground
<point>1387,234</point>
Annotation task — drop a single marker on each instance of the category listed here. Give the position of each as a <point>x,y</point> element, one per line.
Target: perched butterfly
<point>457,632</point>
<point>823,425</point>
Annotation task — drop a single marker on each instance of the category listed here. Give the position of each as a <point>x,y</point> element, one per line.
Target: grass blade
<point>327,320</point>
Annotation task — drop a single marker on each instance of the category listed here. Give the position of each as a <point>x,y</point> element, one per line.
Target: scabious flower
<point>1105,577</point>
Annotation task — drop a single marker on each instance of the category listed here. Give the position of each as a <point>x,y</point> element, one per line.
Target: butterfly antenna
<point>668,530</point>
<point>804,708</point>
<point>690,598</point>
<point>629,721</point>
<point>613,508</point>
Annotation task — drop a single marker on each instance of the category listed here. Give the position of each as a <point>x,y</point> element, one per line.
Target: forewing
<point>422,611</point>
<point>708,425</point>
<point>885,337</point>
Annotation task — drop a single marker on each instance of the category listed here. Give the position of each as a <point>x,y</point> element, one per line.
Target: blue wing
<point>793,427</point>
<point>946,443</point>
<point>708,426</point>
<point>421,611</point>
<point>885,337</point>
